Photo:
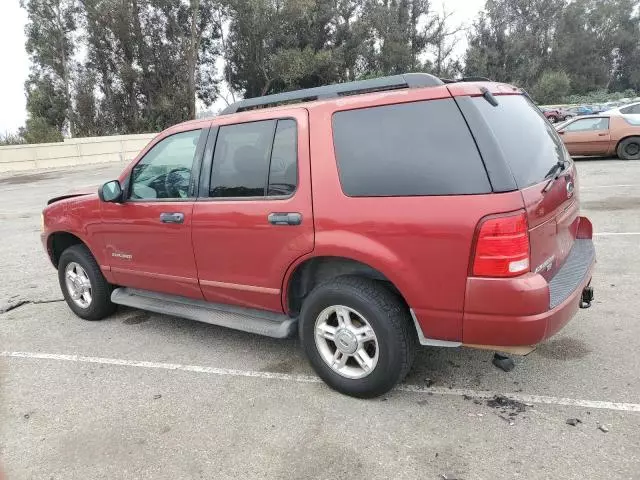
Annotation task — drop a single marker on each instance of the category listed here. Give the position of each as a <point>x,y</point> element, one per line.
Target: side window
<point>631,109</point>
<point>241,159</point>
<point>165,171</point>
<point>419,148</point>
<point>588,124</point>
<point>255,159</point>
<point>283,170</point>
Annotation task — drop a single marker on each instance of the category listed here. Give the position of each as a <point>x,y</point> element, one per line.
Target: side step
<point>246,319</point>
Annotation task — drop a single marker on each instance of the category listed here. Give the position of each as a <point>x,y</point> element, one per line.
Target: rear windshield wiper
<point>554,173</point>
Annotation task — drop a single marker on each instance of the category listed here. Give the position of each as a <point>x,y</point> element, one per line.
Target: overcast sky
<point>16,62</point>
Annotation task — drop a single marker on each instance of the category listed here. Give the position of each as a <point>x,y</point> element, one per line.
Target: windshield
<point>529,142</point>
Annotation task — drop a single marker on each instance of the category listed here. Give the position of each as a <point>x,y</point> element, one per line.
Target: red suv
<point>370,216</point>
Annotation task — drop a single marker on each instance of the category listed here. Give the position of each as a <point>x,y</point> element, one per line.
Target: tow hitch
<point>587,297</point>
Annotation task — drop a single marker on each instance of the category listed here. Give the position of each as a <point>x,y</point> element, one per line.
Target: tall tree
<point>281,45</point>
<point>511,40</point>
<point>153,58</point>
<point>51,33</point>
<point>401,30</point>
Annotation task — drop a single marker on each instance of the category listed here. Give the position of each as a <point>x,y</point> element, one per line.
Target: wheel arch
<point>58,242</point>
<point>318,269</point>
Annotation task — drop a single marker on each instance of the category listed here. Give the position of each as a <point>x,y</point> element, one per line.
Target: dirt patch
<point>611,204</point>
<point>505,404</point>
<point>563,348</point>
<point>28,178</point>
<point>507,408</point>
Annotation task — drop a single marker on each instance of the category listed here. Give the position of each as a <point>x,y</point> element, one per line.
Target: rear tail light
<point>502,246</point>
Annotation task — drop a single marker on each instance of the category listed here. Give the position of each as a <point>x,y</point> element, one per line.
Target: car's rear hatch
<point>544,173</point>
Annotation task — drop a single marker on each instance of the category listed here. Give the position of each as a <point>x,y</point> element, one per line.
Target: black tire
<point>386,314</point>
<point>552,118</point>
<point>100,305</point>
<point>629,149</point>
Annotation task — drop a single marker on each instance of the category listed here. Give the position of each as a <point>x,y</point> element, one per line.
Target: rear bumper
<point>526,310</point>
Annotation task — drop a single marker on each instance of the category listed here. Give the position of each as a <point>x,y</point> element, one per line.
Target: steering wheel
<point>176,182</point>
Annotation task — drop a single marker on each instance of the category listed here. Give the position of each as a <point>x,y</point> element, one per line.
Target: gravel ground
<point>142,396</point>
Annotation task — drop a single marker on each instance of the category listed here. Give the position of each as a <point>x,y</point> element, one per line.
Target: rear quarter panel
<point>621,129</point>
<point>422,244</point>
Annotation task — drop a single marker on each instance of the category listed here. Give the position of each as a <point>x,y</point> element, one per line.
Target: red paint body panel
<point>241,257</point>
<point>80,216</point>
<point>553,221</point>
<point>161,254</point>
<point>421,244</point>
<point>484,328</point>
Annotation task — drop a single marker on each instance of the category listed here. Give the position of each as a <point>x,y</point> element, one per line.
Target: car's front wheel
<point>85,289</point>
<point>357,335</point>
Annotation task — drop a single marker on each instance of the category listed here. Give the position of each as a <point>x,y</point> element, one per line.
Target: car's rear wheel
<point>552,118</point>
<point>357,336</point>
<point>85,289</point>
<point>629,149</point>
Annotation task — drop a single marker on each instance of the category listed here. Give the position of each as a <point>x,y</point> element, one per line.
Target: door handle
<point>175,217</point>
<point>602,134</point>
<point>285,218</point>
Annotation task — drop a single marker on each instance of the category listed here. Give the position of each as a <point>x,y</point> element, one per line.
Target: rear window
<point>529,143</point>
<point>419,148</point>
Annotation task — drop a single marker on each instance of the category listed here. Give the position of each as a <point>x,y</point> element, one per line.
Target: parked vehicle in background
<point>435,214</point>
<point>602,135</point>
<point>580,111</point>
<point>628,109</point>
<point>552,114</point>
<point>555,115</point>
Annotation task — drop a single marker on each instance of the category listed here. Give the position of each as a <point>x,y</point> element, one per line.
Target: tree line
<point>103,67</point>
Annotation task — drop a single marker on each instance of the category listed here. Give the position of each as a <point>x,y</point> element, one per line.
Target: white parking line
<point>610,234</point>
<point>608,186</point>
<point>522,397</point>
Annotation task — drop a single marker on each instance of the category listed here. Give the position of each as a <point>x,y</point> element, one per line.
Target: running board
<point>246,319</point>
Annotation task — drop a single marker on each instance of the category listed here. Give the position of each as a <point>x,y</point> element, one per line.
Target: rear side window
<point>283,170</point>
<point>255,159</point>
<point>419,148</point>
<point>529,143</point>
<point>631,109</point>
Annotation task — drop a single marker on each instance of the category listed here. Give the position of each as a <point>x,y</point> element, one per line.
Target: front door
<point>148,236</point>
<point>587,136</point>
<point>254,217</point>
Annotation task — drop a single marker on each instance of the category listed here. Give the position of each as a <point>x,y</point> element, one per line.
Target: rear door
<point>532,148</point>
<point>253,217</point>
<point>587,136</point>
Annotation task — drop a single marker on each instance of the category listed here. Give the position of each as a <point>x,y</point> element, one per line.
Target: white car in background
<point>628,109</point>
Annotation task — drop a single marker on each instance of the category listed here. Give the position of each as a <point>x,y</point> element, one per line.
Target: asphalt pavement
<point>147,396</point>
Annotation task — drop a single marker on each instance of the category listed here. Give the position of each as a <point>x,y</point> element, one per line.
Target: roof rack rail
<point>394,82</point>
<point>467,79</point>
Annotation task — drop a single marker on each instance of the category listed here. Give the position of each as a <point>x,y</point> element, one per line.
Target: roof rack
<point>466,79</point>
<point>394,82</point>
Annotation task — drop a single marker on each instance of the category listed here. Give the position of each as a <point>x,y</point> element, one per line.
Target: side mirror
<point>110,192</point>
<point>560,132</point>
